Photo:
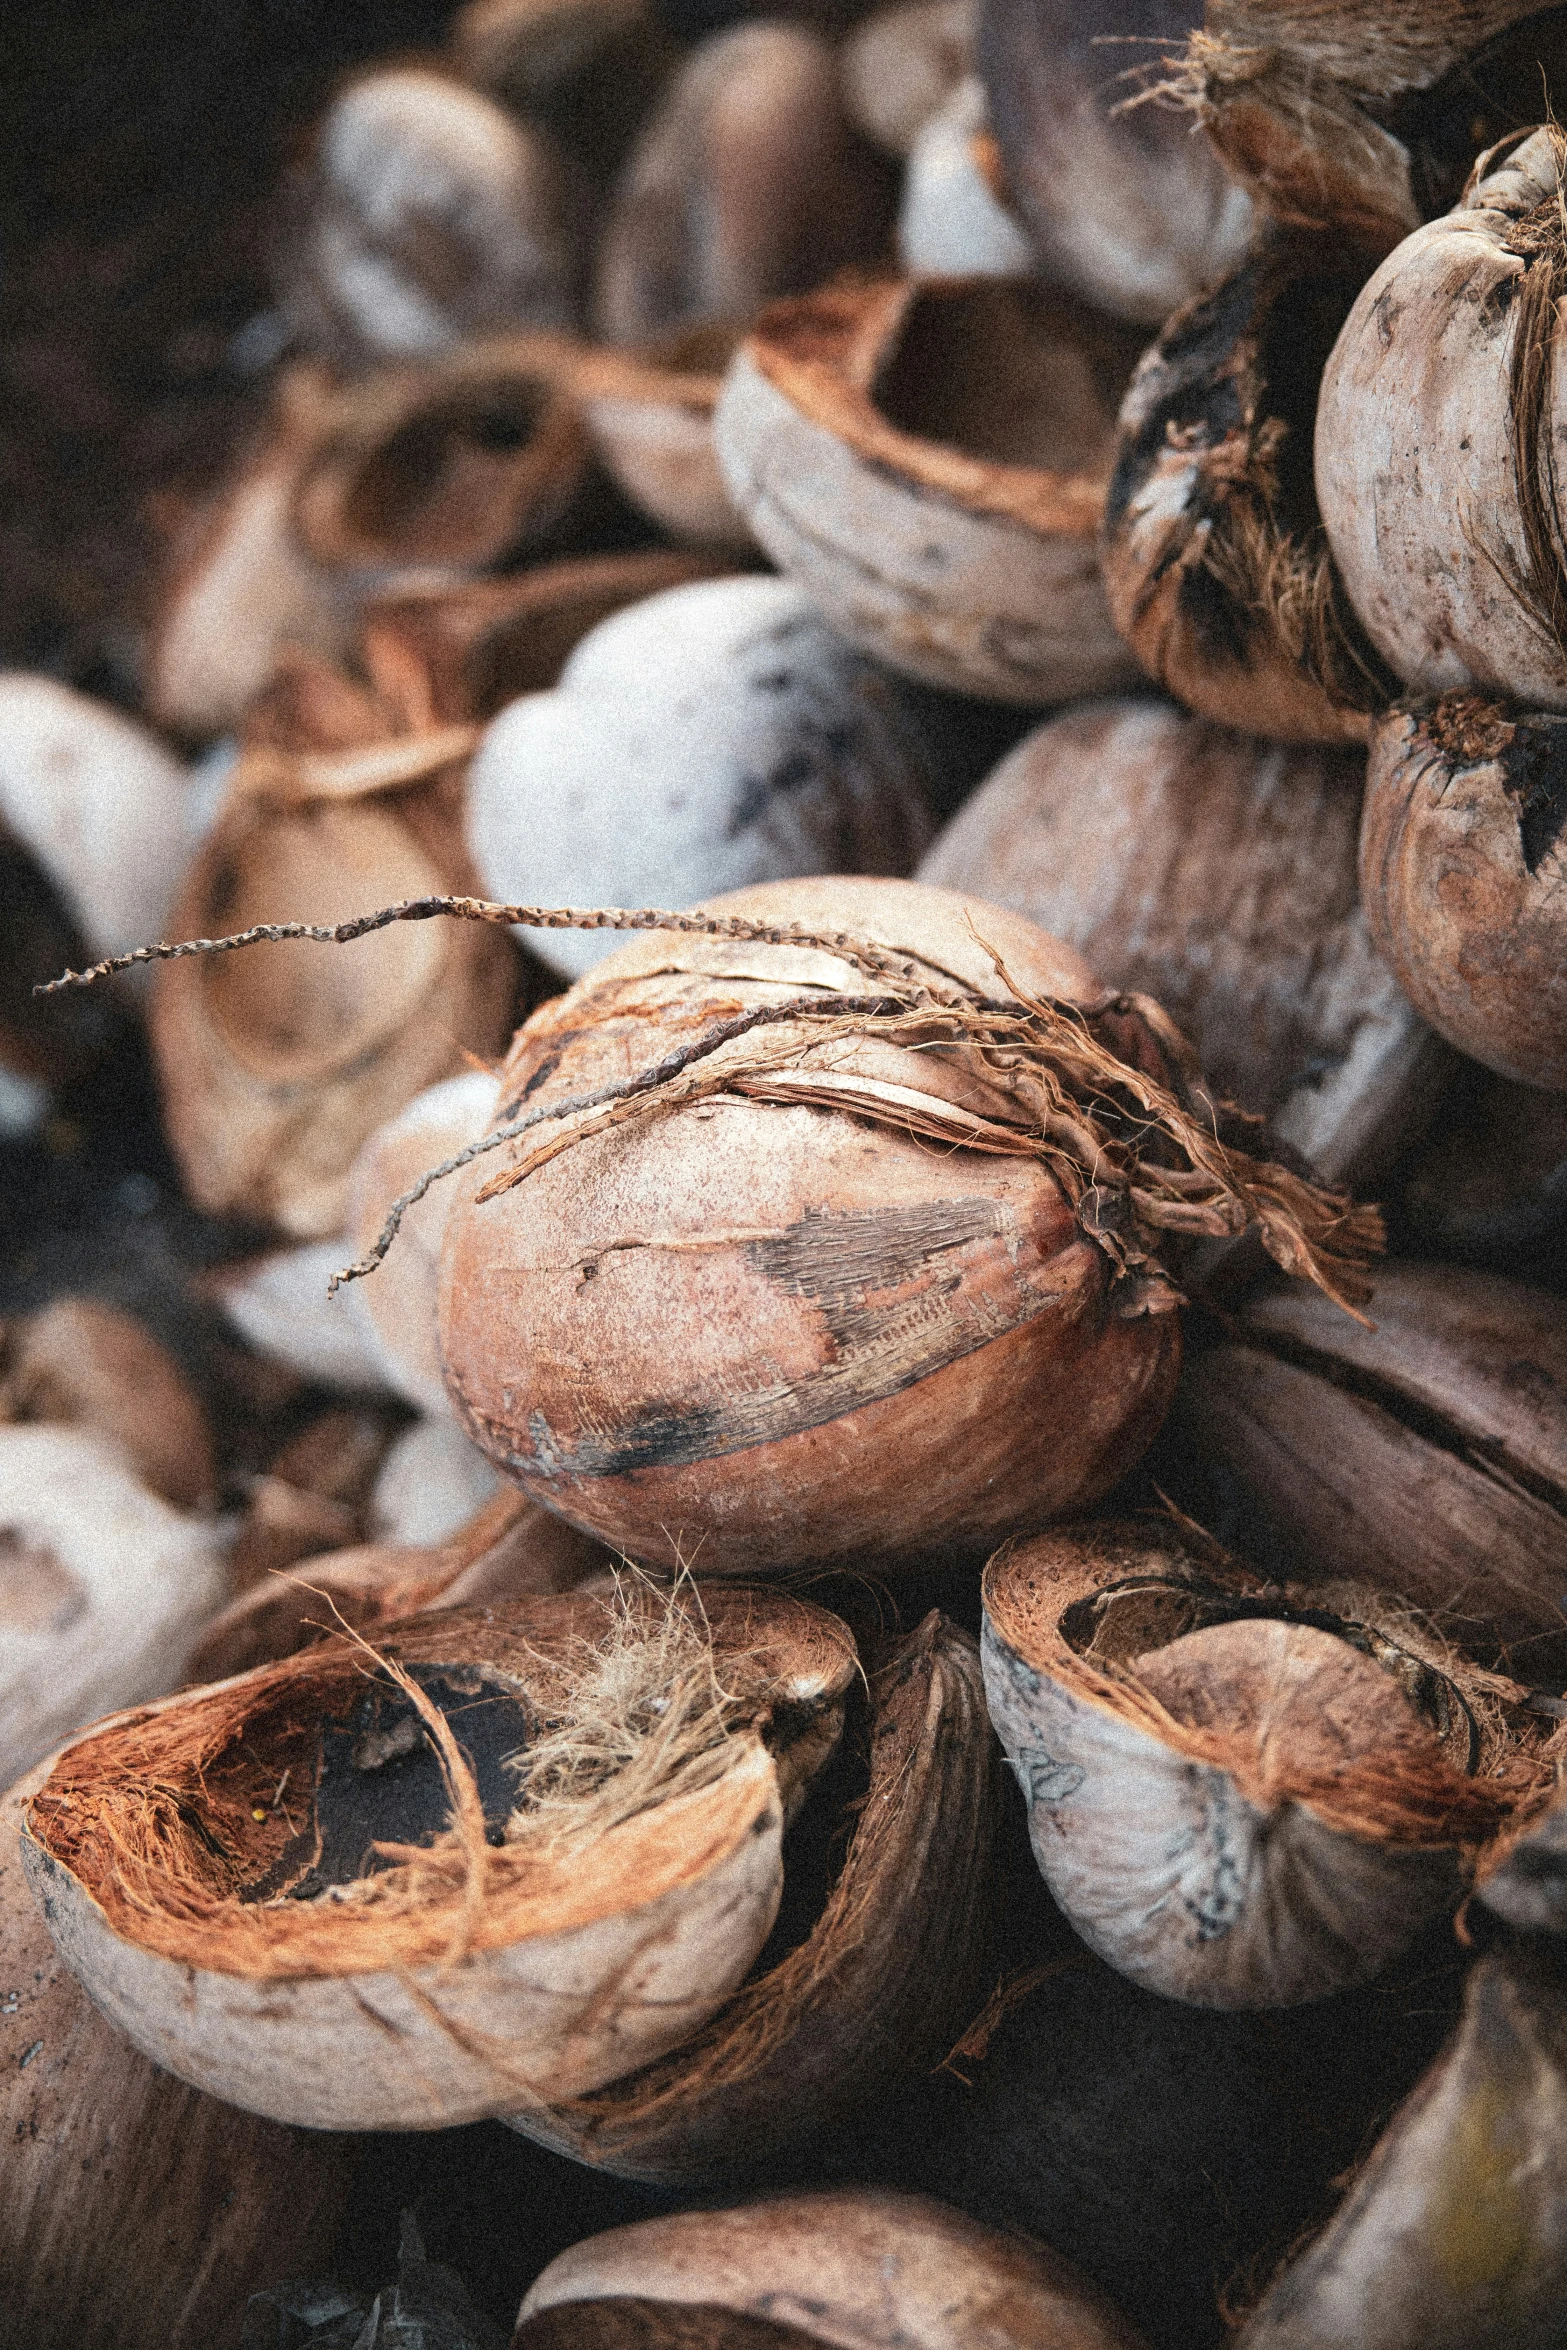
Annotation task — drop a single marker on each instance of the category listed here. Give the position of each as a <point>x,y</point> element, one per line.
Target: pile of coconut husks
<point>783,1128</point>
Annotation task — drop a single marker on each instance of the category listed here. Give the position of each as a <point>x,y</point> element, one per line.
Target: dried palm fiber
<point>961,428</point>
<point>901,65</point>
<point>81,1363</point>
<point>953,219</point>
<point>874,1994</point>
<point>137,2213</point>
<point>1462,863</point>
<point>856,2267</point>
<point>1454,2230</point>
<point>747,181</point>
<point>421,217</point>
<point>1489,1185</point>
<point>1364,117</point>
<point>1426,1457</point>
<point>1121,202</point>
<point>649,409</point>
<point>1215,563</point>
<point>103,1588</point>
<point>920,1311</point>
<point>273,1078</point>
<point>1218,873</point>
<point>509,1549</point>
<point>505,1856</point>
<point>589,71</point>
<point>1242,1793</point>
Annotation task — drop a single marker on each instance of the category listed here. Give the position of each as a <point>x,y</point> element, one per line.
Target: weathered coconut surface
<point>1455,2230</point>
<point>766,1325</point>
<point>876,1991</point>
<point>416,2002</point>
<point>707,739</point>
<point>1437,412</point>
<point>1218,873</point>
<point>1462,864</point>
<point>1427,1457</point>
<point>137,2213</point>
<point>1121,202</point>
<point>860,2268</point>
<point>1234,1804</point>
<point>1213,557</point>
<point>863,417</point>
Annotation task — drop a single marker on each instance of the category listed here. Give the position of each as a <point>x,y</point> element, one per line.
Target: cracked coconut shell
<point>774,1327</point>
<point>313,1890</point>
<point>930,461</point>
<point>1241,1794</point>
<point>1218,873</point>
<point>859,2268</point>
<point>1462,871</point>
<point>1214,558</point>
<point>1121,202</point>
<point>1435,435</point>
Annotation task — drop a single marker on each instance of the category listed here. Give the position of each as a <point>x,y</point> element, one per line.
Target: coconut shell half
<point>879,1987</point>
<point>302,1889</point>
<point>1242,1795</point>
<point>860,2268</point>
<point>930,459</point>
<point>650,413</point>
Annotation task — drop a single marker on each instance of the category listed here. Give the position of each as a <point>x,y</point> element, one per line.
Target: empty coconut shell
<point>79,1363</point>
<point>875,1991</point>
<point>1454,2230</point>
<point>1462,864</point>
<point>330,1892</point>
<point>1120,201</point>
<point>137,2214</point>
<point>425,215</point>
<point>1218,873</point>
<point>1241,1794</point>
<point>859,2268</point>
<point>1426,1457</point>
<point>650,412</point>
<point>1366,116</point>
<point>930,460</point>
<point>1215,563</point>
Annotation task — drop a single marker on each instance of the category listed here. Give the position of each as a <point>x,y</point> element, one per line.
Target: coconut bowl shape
<point>406,1926</point>
<point>930,460</point>
<point>858,2268</point>
<point>1242,1794</point>
<point>1462,865</point>
<point>1214,559</point>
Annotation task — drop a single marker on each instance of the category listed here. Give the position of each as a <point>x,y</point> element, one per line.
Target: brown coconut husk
<point>1214,556</point>
<point>877,1988</point>
<point>83,1364</point>
<point>108,2155</point>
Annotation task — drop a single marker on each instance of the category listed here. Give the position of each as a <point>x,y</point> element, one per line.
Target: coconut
<point>650,412</point>
<point>1365,117</point>
<point>314,1495</point>
<point>272,1078</point>
<point>79,1363</point>
<point>1217,873</point>
<point>856,2267</point>
<point>1461,870</point>
<point>952,220</point>
<point>1453,2229</point>
<point>1426,1457</point>
<point>1215,563</point>
<point>103,1588</point>
<point>894,1955</point>
<point>425,215</point>
<point>137,2214</point>
<point>768,1319</point>
<point>1489,1186</point>
<point>1436,417</point>
<point>902,65</point>
<point>1120,201</point>
<point>747,182</point>
<point>280,1303</point>
<point>714,736</point>
<point>588,70</point>
<point>930,460</point>
<point>509,1855</point>
<point>429,1485</point>
<point>1241,1794</point>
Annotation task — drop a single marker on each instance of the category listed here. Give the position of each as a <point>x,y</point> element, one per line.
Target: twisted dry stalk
<point>1138,1154</point>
